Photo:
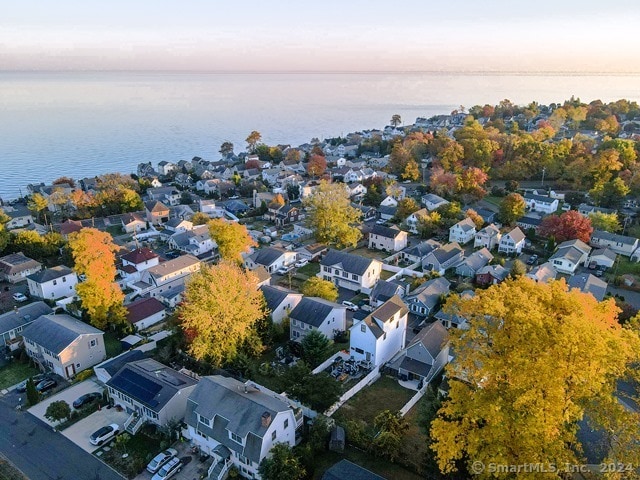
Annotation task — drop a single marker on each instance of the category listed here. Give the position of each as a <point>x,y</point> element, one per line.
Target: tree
<point>318,391</point>
<point>609,194</point>
<point>518,269</point>
<point>282,464</point>
<point>317,165</point>
<point>331,216</point>
<point>510,405</point>
<point>4,233</point>
<point>226,148</point>
<point>406,207</point>
<point>293,192</point>
<point>443,183</point>
<point>37,204</point>
<point>605,221</point>
<point>33,396</point>
<point>315,348</point>
<point>399,158</point>
<point>232,238</point>
<point>253,140</point>
<point>220,309</point>
<point>411,171</point>
<point>391,426</point>
<point>475,217</point>
<point>200,218</point>
<point>568,226</point>
<point>395,120</point>
<point>278,200</point>
<point>64,181</point>
<point>512,208</point>
<point>58,410</point>
<point>317,287</point>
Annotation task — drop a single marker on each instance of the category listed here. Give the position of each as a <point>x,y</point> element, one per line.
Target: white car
<point>105,433</point>
<point>160,459</point>
<point>381,222</point>
<point>169,469</point>
<point>350,306</point>
<point>301,263</point>
<point>19,297</point>
<point>284,270</point>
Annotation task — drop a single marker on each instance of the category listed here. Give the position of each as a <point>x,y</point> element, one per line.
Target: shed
<point>337,441</point>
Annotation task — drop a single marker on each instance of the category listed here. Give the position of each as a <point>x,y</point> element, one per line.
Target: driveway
<point>80,432</point>
<point>192,466</point>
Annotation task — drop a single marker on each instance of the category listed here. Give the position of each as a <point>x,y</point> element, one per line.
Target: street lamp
<point>542,182</point>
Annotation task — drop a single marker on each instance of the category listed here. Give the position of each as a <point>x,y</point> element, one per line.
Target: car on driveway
<point>284,270</point>
<point>20,297</point>
<point>350,306</point>
<point>532,259</point>
<point>160,459</point>
<point>301,263</point>
<point>169,469</point>
<point>46,384</point>
<point>103,434</point>
<point>86,399</point>
<point>22,387</point>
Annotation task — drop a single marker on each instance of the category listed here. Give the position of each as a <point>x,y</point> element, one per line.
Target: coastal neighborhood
<point>311,304</point>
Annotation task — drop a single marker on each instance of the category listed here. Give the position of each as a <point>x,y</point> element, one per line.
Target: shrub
<point>83,375</point>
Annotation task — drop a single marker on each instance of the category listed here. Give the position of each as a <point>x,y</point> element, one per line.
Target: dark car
<point>532,259</point>
<point>86,399</point>
<point>46,384</point>
<point>22,387</point>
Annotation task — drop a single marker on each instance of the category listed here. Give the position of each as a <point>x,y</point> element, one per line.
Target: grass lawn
<point>365,252</point>
<point>112,344</point>
<point>625,266</point>
<point>495,200</point>
<point>310,269</point>
<point>15,373</point>
<point>376,464</point>
<point>385,274</point>
<point>384,394</point>
<point>115,230</point>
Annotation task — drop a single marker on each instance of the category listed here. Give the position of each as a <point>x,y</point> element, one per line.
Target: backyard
<point>112,344</point>
<point>15,372</point>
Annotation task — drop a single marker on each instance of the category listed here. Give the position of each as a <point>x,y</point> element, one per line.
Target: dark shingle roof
<point>17,262</point>
<point>139,255</point>
<point>350,263</point>
<point>384,290</point>
<point>613,237</point>
<point>422,249</point>
<point>114,364</point>
<point>345,470</point>
<point>433,338</point>
<point>274,296</point>
<point>429,292</point>
<point>447,252</point>
<point>313,311</point>
<point>50,274</point>
<point>143,308</point>
<point>386,232</point>
<point>23,315</point>
<point>268,255</point>
<point>589,284</point>
<point>57,332</point>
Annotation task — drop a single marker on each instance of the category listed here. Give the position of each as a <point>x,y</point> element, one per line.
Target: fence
<point>366,381</point>
<point>326,364</point>
<point>416,398</point>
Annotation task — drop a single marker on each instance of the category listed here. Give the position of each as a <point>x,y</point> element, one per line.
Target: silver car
<point>160,459</point>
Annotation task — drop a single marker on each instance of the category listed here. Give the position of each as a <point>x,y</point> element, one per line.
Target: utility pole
<point>543,170</point>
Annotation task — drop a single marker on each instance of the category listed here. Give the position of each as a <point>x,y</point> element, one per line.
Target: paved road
<point>41,453</point>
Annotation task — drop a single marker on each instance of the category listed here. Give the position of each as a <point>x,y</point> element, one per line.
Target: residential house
<point>387,213</point>
<point>356,191</point>
<point>384,290</point>
<point>443,258</point>
<point>183,180</point>
<point>285,214</point>
<point>156,212</point>
<point>313,313</point>
<point>150,392</point>
<point>368,212</point>
<point>166,277</point>
<point>569,255</point>
<point>603,257</point>
<point>425,356</point>
<point>68,227</point>
<point>184,212</point>
<point>350,271</point>
<point>427,297</point>
<point>264,277</point>
<point>133,222</point>
<point>63,344</point>
<point>541,203</point>
<point>145,312</point>
<point>270,175</point>
<point>512,243</point>
<point>16,267</point>
<point>417,252</point>
<point>197,242</point>
<point>463,232</point>
<point>165,168</point>
<point>381,334</point>
<point>134,262</point>
<point>452,318</point>
<point>53,283</point>
<point>620,244</point>
<point>271,258</point>
<point>488,216</point>
<point>236,207</point>
<point>209,208</point>
<point>530,221</point>
<point>389,239</point>
<point>488,237</point>
<point>389,201</point>
<point>166,195</point>
<point>432,201</point>
<point>491,275</point>
<point>413,220</point>
<point>280,301</point>
<point>19,216</point>
<point>177,225</point>
<point>543,273</point>
<point>470,266</point>
<point>311,252</point>
<point>238,424</point>
<point>585,209</point>
<point>587,283</point>
<point>14,321</point>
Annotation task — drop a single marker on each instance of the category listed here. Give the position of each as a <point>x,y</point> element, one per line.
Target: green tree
<point>392,426</point>
<point>406,207</point>
<point>508,404</point>
<point>253,140</point>
<point>233,239</point>
<point>331,216</point>
<point>226,148</point>
<point>33,396</point>
<point>315,348</point>
<point>282,464</point>
<point>512,208</point>
<point>221,307</point>
<point>58,410</point>
<point>518,269</point>
<point>396,120</point>
<point>4,233</point>
<point>605,221</point>
<point>317,287</point>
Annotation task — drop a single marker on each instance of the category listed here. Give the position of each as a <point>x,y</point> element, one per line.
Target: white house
<point>389,201</point>
<point>16,267</point>
<point>417,252</point>
<point>238,423</point>
<point>427,297</point>
<point>443,258</point>
<point>63,344</point>
<point>53,283</point>
<point>541,203</point>
<point>312,313</point>
<point>432,201</point>
<point>381,334</point>
<point>512,243</point>
<point>569,255</point>
<point>280,301</point>
<point>543,273</point>
<point>133,223</point>
<point>462,232</point>
<point>389,239</point>
<point>196,241</point>
<point>271,258</point>
<point>133,263</point>
<point>603,257</point>
<point>620,244</point>
<point>145,312</point>
<point>488,237</point>
<point>350,271</point>
<point>413,220</point>
<point>166,276</point>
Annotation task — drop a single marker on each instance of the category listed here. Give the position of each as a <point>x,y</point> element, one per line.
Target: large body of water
<point>84,124</point>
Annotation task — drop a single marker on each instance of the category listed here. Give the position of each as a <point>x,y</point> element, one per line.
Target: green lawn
<point>310,269</point>
<point>16,372</point>
<point>365,252</point>
<point>625,266</point>
<point>112,344</point>
<point>495,200</point>
<point>115,230</point>
<point>385,274</point>
<point>385,394</point>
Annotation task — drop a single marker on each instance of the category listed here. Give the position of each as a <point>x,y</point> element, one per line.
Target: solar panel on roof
<point>137,386</point>
<point>171,379</point>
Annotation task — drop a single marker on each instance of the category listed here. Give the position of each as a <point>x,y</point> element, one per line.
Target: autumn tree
<point>233,239</point>
<point>253,140</point>
<point>58,410</point>
<point>475,217</point>
<point>406,207</point>
<point>399,158</point>
<point>512,208</point>
<point>317,287</point>
<point>221,307</point>
<point>605,221</point>
<point>37,204</point>
<point>411,171</point>
<point>278,200</point>
<point>282,464</point>
<point>518,269</point>
<point>428,224</point>
<point>536,359</point>
<point>226,148</point>
<point>64,181</point>
<point>568,226</point>
<point>317,165</point>
<point>331,216</point>
<point>443,183</point>
<point>200,218</point>
<point>396,120</point>
<point>4,233</point>
<point>93,253</point>
<point>293,155</point>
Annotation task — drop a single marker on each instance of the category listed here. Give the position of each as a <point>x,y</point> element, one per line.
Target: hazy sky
<point>325,35</point>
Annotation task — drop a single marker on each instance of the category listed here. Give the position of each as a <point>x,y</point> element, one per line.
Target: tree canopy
<point>233,239</point>
<point>512,208</point>
<point>568,226</point>
<point>282,464</point>
<point>317,287</point>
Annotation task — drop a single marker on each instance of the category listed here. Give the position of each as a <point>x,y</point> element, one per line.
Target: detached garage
<point>145,312</point>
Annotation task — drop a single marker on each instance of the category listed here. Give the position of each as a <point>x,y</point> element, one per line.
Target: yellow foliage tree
<point>232,238</point>
<point>221,306</point>
<point>317,287</point>
<point>536,360</point>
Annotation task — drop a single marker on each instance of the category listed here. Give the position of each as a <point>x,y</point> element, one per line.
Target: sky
<point>321,36</point>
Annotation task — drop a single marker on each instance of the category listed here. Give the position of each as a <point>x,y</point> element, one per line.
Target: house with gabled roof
<point>16,267</point>
<point>543,273</point>
<point>587,283</point>
<point>313,313</point>
<point>385,290</point>
<point>585,209</point>
<point>491,275</point>
<point>462,232</point>
<point>53,283</point>
<point>470,266</point>
<point>196,241</point>
<point>620,244</point>
<point>540,203</point>
<point>452,317</point>
<point>512,243</point>
<point>389,239</point>
<point>133,222</point>
<point>271,258</point>
<point>238,423</point>
<point>443,258</point>
<point>381,334</point>
<point>350,271</point>
<point>150,392</point>
<point>424,300</point>
<point>156,212</point>
<point>431,201</point>
<point>569,256</point>
<point>68,227</point>
<point>413,220</point>
<point>166,276</point>
<point>346,470</point>
<point>488,237</point>
<point>145,312</point>
<point>14,321</point>
<point>280,301</point>
<point>417,252</point>
<point>64,344</point>
<point>602,257</point>
<point>20,216</point>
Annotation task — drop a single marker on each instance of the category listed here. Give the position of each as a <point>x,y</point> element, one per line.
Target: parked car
<point>593,265</point>
<point>284,270</point>
<point>103,434</point>
<point>350,306</point>
<point>160,459</point>
<point>172,254</point>
<point>169,469</point>
<point>86,399</point>
<point>381,222</point>
<point>46,384</point>
<point>22,387</point>
<point>533,259</point>
<point>599,272</point>
<point>301,263</point>
<point>20,297</point>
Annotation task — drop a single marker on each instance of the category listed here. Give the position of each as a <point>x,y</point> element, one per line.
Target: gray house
<point>473,263</point>
<point>417,252</point>
<point>314,313</point>
<point>424,299</point>
<point>443,258</point>
<point>14,321</point>
<point>384,290</point>
<point>587,283</point>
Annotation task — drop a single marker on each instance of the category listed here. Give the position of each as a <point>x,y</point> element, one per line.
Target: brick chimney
<point>266,419</point>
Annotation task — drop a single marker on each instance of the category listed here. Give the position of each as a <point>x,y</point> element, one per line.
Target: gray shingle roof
<point>422,249</point>
<point>386,232</point>
<point>23,316</point>
<point>384,313</point>
<point>447,252</point>
<point>349,262</point>
<point>589,284</point>
<point>384,290</point>
<point>313,311</point>
<point>613,237</point>
<point>50,274</point>
<point>57,332</point>
<point>268,255</point>
<point>605,252</point>
<point>430,291</point>
<point>274,296</point>
<point>538,198</point>
<point>345,470</point>
<point>433,338</point>
<point>168,267</point>
<point>478,259</point>
<point>114,364</point>
<point>568,253</point>
<point>17,262</point>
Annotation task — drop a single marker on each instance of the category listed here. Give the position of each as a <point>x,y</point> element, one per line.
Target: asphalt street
<point>42,454</point>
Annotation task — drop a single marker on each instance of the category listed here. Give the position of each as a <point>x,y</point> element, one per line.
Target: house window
<point>345,274</point>
<point>55,282</point>
<point>204,420</point>
<point>273,436</point>
<point>93,343</point>
<point>363,327</point>
<point>397,323</point>
<point>337,272</point>
<point>384,337</point>
<point>286,423</point>
<point>354,277</point>
<point>64,279</point>
<point>235,438</point>
<point>359,350</point>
